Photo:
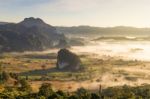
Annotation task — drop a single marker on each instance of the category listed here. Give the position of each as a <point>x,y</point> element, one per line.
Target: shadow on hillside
<point>40,72</point>
<point>41,56</point>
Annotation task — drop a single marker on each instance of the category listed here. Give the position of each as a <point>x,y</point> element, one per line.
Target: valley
<point>105,63</point>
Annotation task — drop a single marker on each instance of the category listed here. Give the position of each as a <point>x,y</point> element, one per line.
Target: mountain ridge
<point>28,35</point>
<point>104,31</point>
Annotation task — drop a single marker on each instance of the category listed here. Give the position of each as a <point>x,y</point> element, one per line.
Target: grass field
<point>104,70</point>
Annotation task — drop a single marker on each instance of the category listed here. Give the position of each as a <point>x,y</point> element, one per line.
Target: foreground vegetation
<point>46,92</point>
<point>20,72</point>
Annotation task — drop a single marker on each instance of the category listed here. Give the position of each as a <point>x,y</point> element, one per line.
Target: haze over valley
<point>104,50</point>
<point>73,49</point>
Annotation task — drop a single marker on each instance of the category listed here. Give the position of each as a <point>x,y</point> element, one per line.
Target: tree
<point>95,96</point>
<point>61,93</point>
<point>25,86</point>
<point>42,97</point>
<point>44,75</point>
<point>5,76</point>
<point>13,75</point>
<point>46,90</point>
<point>83,93</point>
<point>0,72</point>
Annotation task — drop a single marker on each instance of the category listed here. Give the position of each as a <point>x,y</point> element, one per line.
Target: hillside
<point>28,35</point>
<point>104,31</point>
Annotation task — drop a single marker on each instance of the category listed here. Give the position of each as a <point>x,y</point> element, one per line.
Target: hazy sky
<point>79,12</point>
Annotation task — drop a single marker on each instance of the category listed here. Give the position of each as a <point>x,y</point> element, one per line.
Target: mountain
<point>31,34</point>
<point>2,23</point>
<point>90,31</point>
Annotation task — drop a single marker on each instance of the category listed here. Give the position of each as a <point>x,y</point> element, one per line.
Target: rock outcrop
<point>67,60</point>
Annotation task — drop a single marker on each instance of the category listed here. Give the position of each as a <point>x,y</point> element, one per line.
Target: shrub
<point>45,90</point>
<point>25,86</point>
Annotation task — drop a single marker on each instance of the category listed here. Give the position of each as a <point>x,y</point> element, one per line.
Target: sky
<point>101,13</point>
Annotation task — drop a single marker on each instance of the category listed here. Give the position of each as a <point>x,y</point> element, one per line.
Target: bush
<point>5,76</point>
<point>25,86</point>
<point>45,90</point>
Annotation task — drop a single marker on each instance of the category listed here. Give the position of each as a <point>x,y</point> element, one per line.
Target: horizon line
<point>111,26</point>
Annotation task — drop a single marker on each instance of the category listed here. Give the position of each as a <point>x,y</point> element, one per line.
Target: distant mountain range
<point>104,31</point>
<point>33,34</point>
<point>28,35</point>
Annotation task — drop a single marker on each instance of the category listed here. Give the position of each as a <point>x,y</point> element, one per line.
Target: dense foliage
<point>46,92</point>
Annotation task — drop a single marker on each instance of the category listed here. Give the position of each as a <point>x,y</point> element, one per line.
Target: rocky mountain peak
<point>31,21</point>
